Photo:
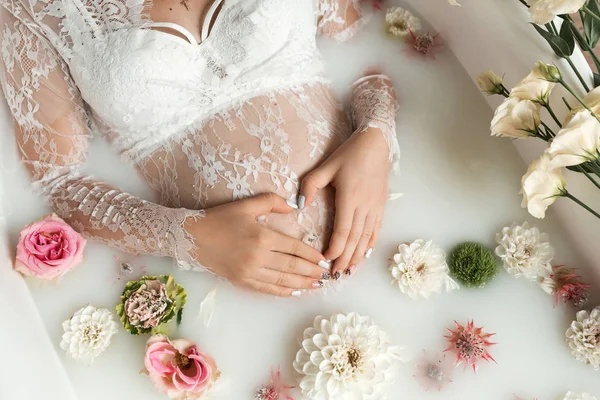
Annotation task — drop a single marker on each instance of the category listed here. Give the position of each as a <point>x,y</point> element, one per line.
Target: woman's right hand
<point>231,243</point>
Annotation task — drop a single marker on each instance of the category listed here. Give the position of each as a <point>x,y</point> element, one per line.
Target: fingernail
<point>301,200</point>
<point>350,270</point>
<point>337,275</point>
<point>296,293</point>
<point>318,284</point>
<point>326,276</point>
<point>292,204</point>
<point>325,264</point>
<point>369,252</point>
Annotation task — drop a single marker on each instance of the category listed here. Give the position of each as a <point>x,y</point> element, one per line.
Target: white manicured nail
<point>301,200</point>
<point>324,264</point>
<point>292,204</point>
<point>369,252</point>
<point>296,293</point>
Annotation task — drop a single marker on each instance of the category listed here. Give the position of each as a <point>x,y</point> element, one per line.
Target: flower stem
<point>589,176</point>
<point>585,86</point>
<point>567,104</point>
<point>551,112</point>
<point>550,131</point>
<point>583,41</point>
<point>590,13</point>
<point>524,3</point>
<point>581,203</point>
<point>579,99</point>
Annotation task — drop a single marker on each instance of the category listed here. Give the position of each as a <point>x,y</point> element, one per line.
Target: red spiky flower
<point>425,44</point>
<point>377,4</point>
<point>470,344</point>
<point>274,390</point>
<point>567,286</point>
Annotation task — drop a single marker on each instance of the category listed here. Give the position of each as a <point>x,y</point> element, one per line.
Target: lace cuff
<point>373,105</point>
<point>340,19</point>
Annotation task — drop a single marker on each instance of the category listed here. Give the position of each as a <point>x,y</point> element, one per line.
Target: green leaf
<point>566,33</point>
<point>586,166</point>
<point>596,79</point>
<point>557,43</point>
<point>591,26</point>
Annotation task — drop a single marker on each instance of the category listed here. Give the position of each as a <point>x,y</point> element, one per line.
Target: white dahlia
<point>524,250</point>
<point>88,333</point>
<point>419,269</point>
<point>583,337</point>
<point>576,396</point>
<point>346,357</point>
<point>400,22</point>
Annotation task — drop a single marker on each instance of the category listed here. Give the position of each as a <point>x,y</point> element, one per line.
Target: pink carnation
<point>48,248</point>
<point>178,369</point>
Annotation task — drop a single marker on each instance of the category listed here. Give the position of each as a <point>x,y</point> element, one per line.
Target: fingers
<point>289,245</point>
<point>287,280</point>
<point>296,265</point>
<point>266,203</point>
<point>269,288</point>
<point>355,235</point>
<point>342,224</point>
<point>365,239</point>
<point>313,182</point>
<point>376,229</point>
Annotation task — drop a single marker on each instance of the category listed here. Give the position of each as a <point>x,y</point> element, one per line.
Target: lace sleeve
<point>339,19</point>
<point>373,105</point>
<point>52,131</point>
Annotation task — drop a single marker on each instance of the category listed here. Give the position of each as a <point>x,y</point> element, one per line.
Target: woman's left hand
<point>359,172</point>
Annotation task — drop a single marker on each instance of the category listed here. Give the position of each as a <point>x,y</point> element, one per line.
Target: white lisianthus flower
<point>541,186</point>
<point>400,22</point>
<point>516,118</point>
<point>524,251</point>
<point>420,269</point>
<point>583,337</point>
<point>453,3</point>
<point>544,11</point>
<point>577,142</point>
<point>592,100</point>
<point>345,357</point>
<point>490,83</point>
<point>88,333</point>
<point>535,86</point>
<point>577,396</point>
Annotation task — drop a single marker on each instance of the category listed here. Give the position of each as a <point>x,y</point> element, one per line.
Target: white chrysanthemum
<point>583,337</point>
<point>346,357</point>
<point>419,269</point>
<point>576,396</point>
<point>524,250</point>
<point>400,22</point>
<point>88,333</point>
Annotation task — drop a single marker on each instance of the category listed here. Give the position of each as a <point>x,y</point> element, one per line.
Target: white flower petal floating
<point>575,396</point>
<point>346,356</point>
<point>420,269</point>
<point>207,307</point>
<point>400,22</point>
<point>88,333</point>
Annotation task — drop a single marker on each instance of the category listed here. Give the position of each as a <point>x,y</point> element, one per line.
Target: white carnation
<point>400,22</point>
<point>88,333</point>
<point>420,269</point>
<point>583,337</point>
<point>524,250</point>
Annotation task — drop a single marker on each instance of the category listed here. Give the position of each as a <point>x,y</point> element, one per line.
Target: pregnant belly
<point>268,144</point>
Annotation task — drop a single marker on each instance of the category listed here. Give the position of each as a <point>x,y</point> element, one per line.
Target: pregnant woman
<point>224,109</point>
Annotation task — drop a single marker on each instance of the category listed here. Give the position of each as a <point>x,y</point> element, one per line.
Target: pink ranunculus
<point>178,369</point>
<point>48,248</point>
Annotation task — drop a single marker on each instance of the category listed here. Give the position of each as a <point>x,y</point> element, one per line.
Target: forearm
<point>373,105</point>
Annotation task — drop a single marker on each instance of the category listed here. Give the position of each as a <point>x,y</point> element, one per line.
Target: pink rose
<point>178,369</point>
<point>48,248</point>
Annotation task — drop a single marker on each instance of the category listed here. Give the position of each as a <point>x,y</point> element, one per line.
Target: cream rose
<point>544,11</point>
<point>535,86</point>
<point>541,186</point>
<point>516,118</point>
<point>576,143</point>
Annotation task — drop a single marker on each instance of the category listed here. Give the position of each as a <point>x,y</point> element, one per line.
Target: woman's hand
<point>359,172</point>
<point>232,244</point>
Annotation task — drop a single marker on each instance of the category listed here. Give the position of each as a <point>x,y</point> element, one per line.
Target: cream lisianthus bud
<point>577,142</point>
<point>592,100</point>
<point>541,186</point>
<point>535,86</point>
<point>516,118</point>
<point>549,72</point>
<point>544,11</point>
<point>490,83</point>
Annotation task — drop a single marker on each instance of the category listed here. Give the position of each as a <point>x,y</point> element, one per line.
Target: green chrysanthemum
<point>149,303</point>
<point>472,264</point>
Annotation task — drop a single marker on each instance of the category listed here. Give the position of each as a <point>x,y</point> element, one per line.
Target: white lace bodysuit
<point>247,110</point>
